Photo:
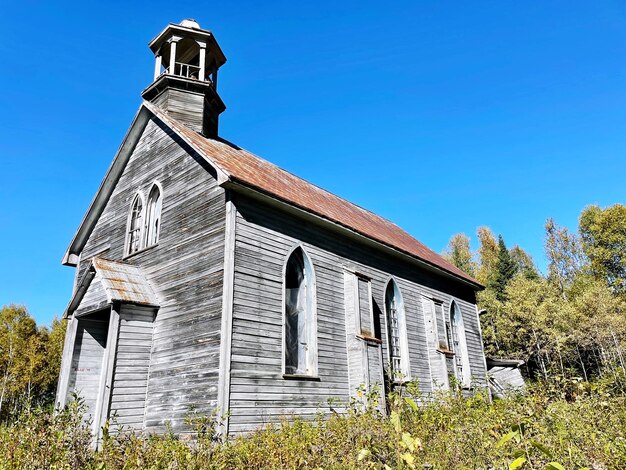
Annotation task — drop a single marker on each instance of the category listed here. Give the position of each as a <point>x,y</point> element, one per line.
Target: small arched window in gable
<point>459,346</point>
<point>396,331</point>
<point>300,329</point>
<point>153,216</point>
<point>135,226</point>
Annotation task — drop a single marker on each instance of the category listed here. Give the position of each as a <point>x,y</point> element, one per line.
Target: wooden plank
<point>104,392</point>
<point>66,360</point>
<point>86,365</point>
<point>129,387</point>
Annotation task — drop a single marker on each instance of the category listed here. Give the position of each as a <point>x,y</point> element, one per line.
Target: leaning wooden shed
<point>505,376</point>
<point>210,280</point>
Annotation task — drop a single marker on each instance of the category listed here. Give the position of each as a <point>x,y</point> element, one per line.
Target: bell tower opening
<point>187,59</point>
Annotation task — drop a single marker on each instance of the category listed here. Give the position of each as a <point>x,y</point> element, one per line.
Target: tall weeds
<point>542,429</point>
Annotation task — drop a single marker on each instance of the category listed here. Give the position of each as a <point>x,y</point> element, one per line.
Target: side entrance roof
<point>111,281</point>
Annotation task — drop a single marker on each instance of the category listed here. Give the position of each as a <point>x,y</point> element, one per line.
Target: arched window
<point>458,343</point>
<point>135,226</point>
<point>396,332</point>
<point>300,316</point>
<point>153,216</point>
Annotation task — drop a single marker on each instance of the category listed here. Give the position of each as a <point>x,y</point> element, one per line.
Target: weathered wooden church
<point>209,279</point>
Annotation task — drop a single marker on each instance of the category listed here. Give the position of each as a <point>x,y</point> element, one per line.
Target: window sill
<point>138,252</point>
<point>312,378</point>
<point>369,339</point>
<point>446,352</point>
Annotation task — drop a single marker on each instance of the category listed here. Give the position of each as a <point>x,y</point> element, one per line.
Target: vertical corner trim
<point>66,362</point>
<point>223,389</point>
<point>106,379</point>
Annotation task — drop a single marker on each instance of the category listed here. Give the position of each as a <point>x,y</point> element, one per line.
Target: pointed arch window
<point>300,329</point>
<point>396,333</point>
<point>153,216</point>
<point>458,343</point>
<point>135,226</point>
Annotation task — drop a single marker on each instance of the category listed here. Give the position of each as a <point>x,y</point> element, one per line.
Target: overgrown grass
<point>539,430</point>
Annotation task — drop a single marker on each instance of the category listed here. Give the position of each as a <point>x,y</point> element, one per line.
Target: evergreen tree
<point>505,269</point>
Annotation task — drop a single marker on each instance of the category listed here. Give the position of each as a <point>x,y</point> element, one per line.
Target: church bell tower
<point>185,76</point>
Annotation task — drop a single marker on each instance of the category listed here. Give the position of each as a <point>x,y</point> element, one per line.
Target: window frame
<point>129,221</point>
<point>462,353</point>
<point>405,363</point>
<point>309,280</point>
<point>149,216</point>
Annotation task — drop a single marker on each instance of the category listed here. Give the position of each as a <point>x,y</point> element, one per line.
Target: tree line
<point>30,360</point>
<point>568,323</point>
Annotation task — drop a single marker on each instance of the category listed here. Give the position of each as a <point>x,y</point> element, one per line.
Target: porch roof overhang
<point>121,282</point>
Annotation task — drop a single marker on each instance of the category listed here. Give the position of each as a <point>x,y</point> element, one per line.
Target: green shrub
<point>40,439</point>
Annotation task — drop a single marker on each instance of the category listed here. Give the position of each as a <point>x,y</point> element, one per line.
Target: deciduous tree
<point>460,254</point>
<point>565,256</point>
<point>487,255</point>
<point>603,233</point>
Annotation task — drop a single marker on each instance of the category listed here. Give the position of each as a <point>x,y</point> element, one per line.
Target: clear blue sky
<point>440,116</point>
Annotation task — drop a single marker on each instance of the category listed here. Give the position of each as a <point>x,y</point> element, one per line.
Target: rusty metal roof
<point>121,282</point>
<point>243,167</point>
<point>124,282</point>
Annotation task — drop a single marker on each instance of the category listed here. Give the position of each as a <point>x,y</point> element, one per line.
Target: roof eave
<point>200,33</point>
<point>500,362</point>
<point>72,254</point>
